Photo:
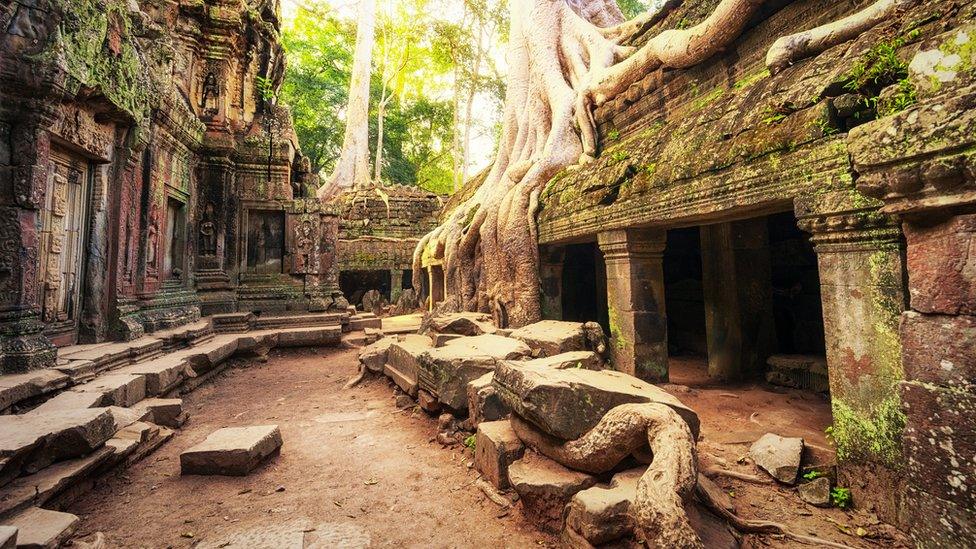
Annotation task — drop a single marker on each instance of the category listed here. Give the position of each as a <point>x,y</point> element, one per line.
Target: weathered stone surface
<point>70,400</point>
<point>484,404</point>
<point>495,346</point>
<point>32,441</point>
<point>362,321</point>
<point>552,336</point>
<point>231,451</point>
<point>403,361</point>
<point>428,402</point>
<point>19,387</point>
<point>446,372</point>
<point>43,529</point>
<point>939,349</point>
<point>937,522</point>
<point>544,488</point>
<point>601,513</point>
<point>373,356</point>
<point>940,441</point>
<point>324,336</point>
<point>942,265</point>
<point>441,340</point>
<point>778,456</point>
<point>39,488</point>
<point>466,324</point>
<point>8,537</point>
<point>116,389</point>
<point>496,447</point>
<point>162,411</point>
<point>374,302</point>
<point>816,492</point>
<point>569,402</point>
<point>162,374</point>
<point>587,360</point>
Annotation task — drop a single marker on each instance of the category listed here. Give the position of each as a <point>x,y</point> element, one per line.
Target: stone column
<point>859,253</point>
<point>737,287</point>
<point>924,171</point>
<point>635,298</point>
<point>551,274</point>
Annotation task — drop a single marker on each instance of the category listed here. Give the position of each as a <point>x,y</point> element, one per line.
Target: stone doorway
<point>584,285</point>
<point>354,284</point>
<point>64,223</point>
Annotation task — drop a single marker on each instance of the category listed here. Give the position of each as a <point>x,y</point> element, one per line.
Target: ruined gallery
<point>457,273</point>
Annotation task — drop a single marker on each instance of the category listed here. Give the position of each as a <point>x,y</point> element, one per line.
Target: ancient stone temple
<point>379,228</point>
<point>148,174</point>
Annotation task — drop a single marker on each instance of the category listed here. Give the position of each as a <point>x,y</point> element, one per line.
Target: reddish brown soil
<point>355,471</point>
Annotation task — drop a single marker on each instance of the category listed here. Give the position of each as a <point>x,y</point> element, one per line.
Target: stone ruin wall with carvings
<point>139,188</point>
<point>877,171</point>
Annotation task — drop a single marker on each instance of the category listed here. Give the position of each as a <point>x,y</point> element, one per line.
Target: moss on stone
<point>874,435</point>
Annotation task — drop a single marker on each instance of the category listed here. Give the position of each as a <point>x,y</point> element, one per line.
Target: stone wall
<point>134,141</point>
<point>877,172</point>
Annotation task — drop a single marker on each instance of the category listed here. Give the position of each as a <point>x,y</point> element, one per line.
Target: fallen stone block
<point>373,356</point>
<point>32,441</point>
<point>43,529</point>
<point>139,431</point>
<point>465,324</point>
<point>39,488</point>
<point>587,360</point>
<point>484,404</point>
<point>70,400</point>
<point>446,372</point>
<point>123,417</point>
<point>778,456</point>
<point>544,488</point>
<point>207,356</point>
<point>162,375</point>
<point>569,402</point>
<point>362,321</point>
<point>79,371</point>
<point>8,537</point>
<point>552,337</point>
<point>233,451</point>
<point>495,346</point>
<point>162,411</point>
<point>116,389</point>
<point>601,514</point>
<point>373,335</point>
<point>496,447</point>
<point>403,361</point>
<point>323,336</point>
<point>20,387</point>
<point>816,492</point>
<point>428,402</point>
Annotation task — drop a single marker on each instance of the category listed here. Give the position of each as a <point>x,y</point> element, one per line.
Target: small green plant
<point>879,68</point>
<point>840,497</point>
<point>471,441</point>
<point>613,135</point>
<point>617,157</point>
<point>829,433</point>
<point>812,475</point>
<point>265,88</point>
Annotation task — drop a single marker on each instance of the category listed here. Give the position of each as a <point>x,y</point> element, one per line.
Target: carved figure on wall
<point>208,232</point>
<point>210,94</point>
<point>152,231</point>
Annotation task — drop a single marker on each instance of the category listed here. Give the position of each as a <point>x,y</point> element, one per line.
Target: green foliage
<point>841,497</point>
<point>613,135</point>
<point>471,441</point>
<point>812,475</point>
<point>879,68</point>
<point>617,157</point>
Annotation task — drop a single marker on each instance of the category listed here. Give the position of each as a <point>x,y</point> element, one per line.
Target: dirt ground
<point>354,471</point>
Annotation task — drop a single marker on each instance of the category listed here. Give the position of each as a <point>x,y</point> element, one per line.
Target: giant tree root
<point>669,482</point>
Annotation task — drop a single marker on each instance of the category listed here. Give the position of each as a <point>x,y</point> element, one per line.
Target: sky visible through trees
<point>437,84</point>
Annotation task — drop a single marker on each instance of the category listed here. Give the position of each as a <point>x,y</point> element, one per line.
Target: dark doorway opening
<point>356,283</point>
<point>684,297</point>
<point>406,279</point>
<point>797,308</point>
<point>584,285</point>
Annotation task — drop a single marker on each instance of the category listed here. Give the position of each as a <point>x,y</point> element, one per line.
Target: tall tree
<point>352,168</point>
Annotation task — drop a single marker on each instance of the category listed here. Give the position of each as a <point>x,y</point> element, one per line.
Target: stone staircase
<point>109,404</point>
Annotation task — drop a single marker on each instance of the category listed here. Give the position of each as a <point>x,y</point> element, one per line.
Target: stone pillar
<point>920,164</point>
<point>396,284</point>
<point>859,253</point>
<point>737,287</point>
<point>551,275</point>
<point>635,298</point>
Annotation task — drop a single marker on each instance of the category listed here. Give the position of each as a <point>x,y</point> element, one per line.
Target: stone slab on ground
<point>162,374</point>
<point>544,488</point>
<point>464,324</point>
<point>19,387</point>
<point>778,456</point>
<point>587,360</point>
<point>8,537</point>
<point>484,404</point>
<point>310,337</point>
<point>39,488</point>
<point>43,529</point>
<point>167,412</point>
<point>495,346</point>
<point>373,356</point>
<point>362,321</point>
<point>32,441</point>
<point>446,371</point>
<point>816,492</point>
<point>552,337</point>
<point>70,400</point>
<point>116,389</point>
<point>233,451</point>
<point>496,447</point>
<point>569,402</point>
<point>601,514</point>
<point>403,361</point>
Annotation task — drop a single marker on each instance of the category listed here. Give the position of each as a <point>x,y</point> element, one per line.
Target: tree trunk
<point>378,165</point>
<point>352,168</point>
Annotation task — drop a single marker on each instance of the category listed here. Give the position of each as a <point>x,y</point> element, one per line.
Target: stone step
<point>298,321</point>
<point>42,529</point>
<point>18,388</point>
<point>39,488</point>
<point>362,321</point>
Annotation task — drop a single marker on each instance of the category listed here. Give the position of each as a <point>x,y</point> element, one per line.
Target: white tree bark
<point>352,168</point>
